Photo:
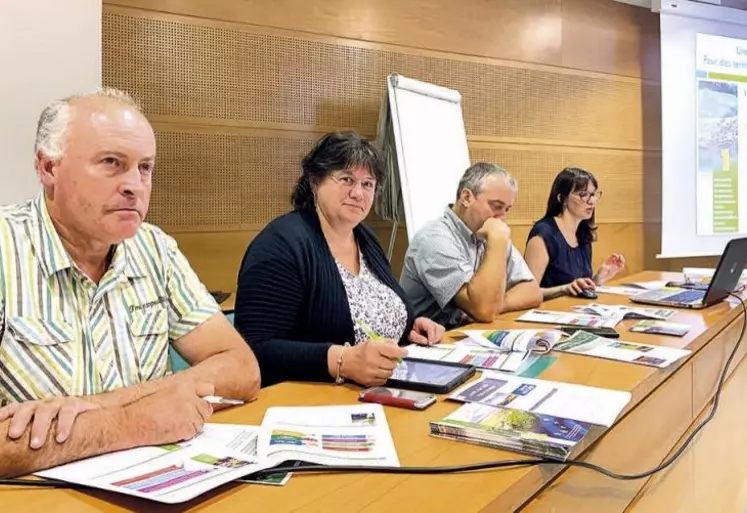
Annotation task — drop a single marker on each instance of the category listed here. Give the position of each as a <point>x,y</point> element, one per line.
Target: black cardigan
<point>291,304</point>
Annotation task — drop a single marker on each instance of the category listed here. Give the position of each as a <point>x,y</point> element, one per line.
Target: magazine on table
<point>526,432</point>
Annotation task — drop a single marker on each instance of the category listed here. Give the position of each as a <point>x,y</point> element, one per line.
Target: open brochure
<point>222,453</point>
<point>327,435</point>
<point>627,312</point>
<point>584,404</point>
<point>588,344</point>
<point>526,432</point>
<point>500,350</point>
<point>569,319</point>
<point>540,341</point>
<point>171,473</point>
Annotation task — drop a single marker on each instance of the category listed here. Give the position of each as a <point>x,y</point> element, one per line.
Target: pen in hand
<point>372,335</point>
<point>216,399</point>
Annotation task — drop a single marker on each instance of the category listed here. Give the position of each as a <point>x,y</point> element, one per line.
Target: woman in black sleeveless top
<point>559,245</point>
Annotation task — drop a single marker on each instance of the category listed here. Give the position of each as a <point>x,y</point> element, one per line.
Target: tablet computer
<point>429,376</point>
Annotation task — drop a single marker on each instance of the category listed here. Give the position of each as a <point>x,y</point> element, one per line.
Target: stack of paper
<point>530,416</point>
<point>525,432</point>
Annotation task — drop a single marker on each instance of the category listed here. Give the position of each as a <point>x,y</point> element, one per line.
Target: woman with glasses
<point>559,245</point>
<point>316,298</point>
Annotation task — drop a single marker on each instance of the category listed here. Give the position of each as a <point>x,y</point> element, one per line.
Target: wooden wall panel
<point>525,30</point>
<point>621,176</point>
<point>229,181</point>
<point>611,37</point>
<point>181,69</point>
<point>238,90</point>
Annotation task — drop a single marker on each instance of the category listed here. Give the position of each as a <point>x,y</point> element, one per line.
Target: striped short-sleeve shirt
<point>442,257</point>
<point>63,334</point>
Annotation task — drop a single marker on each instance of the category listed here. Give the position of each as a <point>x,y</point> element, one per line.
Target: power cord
<point>488,465</point>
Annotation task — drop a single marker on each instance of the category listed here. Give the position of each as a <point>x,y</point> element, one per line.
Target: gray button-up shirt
<point>443,256</point>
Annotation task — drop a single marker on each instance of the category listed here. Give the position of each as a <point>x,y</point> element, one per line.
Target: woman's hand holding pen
<point>372,362</point>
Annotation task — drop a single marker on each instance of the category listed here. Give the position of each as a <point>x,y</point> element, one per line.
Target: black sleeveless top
<point>566,263</point>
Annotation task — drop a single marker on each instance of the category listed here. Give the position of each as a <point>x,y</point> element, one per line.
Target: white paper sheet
<point>327,435</point>
<point>619,290</point>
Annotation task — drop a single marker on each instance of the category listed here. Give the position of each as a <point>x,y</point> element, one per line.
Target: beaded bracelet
<point>339,379</point>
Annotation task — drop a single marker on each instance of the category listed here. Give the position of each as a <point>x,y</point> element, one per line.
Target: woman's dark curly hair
<point>334,152</point>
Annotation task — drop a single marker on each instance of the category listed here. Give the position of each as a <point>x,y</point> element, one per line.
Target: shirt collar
<point>457,224</point>
<point>52,254</point>
<point>124,263</point>
<point>49,249</point>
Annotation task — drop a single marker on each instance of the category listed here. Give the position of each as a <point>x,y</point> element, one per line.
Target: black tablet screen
<point>431,373</point>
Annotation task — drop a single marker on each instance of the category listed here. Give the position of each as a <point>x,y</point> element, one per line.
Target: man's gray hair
<point>51,130</point>
<point>474,177</point>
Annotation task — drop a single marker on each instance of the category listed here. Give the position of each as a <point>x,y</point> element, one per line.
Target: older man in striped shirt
<point>92,298</point>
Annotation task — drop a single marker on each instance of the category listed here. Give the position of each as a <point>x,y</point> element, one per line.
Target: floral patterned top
<point>373,303</point>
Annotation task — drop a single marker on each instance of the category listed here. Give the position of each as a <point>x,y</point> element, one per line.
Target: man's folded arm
<point>96,432</point>
<point>167,416</point>
<point>218,355</point>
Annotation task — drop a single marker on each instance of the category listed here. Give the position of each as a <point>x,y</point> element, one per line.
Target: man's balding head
<point>95,155</point>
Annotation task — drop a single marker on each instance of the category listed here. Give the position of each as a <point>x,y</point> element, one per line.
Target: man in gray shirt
<point>463,266</point>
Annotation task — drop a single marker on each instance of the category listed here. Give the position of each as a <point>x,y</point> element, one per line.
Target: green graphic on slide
<point>725,200</point>
<point>718,156</point>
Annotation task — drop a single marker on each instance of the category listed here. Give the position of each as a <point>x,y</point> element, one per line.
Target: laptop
<point>724,281</point>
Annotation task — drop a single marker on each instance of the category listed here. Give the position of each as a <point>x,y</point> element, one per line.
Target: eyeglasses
<point>589,196</point>
<point>368,185</point>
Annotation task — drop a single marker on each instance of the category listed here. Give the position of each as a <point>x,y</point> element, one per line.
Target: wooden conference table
<point>711,476</point>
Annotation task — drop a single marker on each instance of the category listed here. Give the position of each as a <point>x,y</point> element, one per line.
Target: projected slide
<point>721,74</point>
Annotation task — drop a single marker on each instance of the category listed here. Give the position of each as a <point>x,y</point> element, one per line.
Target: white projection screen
<point>704,128</point>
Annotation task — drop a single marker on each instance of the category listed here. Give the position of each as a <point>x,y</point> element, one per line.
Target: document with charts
<point>327,435</point>
<point>170,473</point>
<point>500,350</point>
<point>599,406</point>
<point>588,344</point>
<point>569,319</point>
